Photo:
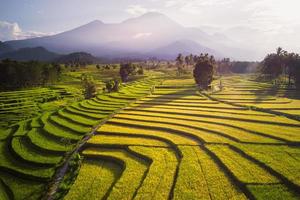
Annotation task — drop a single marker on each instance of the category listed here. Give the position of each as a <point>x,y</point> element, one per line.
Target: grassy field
<point>33,149</point>
<point>241,142</point>
<point>196,146</point>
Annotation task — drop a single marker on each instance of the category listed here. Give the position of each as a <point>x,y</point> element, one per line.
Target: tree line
<point>282,67</point>
<point>14,74</point>
<point>126,70</point>
<point>204,68</point>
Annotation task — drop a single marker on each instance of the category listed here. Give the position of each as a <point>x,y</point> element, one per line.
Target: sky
<point>269,23</point>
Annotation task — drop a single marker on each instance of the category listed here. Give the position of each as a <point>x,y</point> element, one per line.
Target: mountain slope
<point>185,47</point>
<point>25,54</point>
<point>77,58</point>
<point>4,48</point>
<point>132,37</point>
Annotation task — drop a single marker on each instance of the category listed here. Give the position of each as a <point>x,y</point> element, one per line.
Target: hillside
<point>25,54</point>
<point>135,37</point>
<point>186,47</point>
<point>4,48</point>
<point>77,57</point>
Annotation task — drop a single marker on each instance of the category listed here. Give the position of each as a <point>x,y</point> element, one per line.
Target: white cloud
<point>136,10</point>
<point>141,35</point>
<point>192,5</point>
<point>9,31</point>
<point>12,31</point>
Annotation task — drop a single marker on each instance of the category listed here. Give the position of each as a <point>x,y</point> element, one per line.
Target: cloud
<point>9,31</point>
<point>136,10</point>
<point>12,31</point>
<point>196,4</point>
<point>141,35</point>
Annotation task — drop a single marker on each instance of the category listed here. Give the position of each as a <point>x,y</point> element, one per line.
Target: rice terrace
<point>145,109</point>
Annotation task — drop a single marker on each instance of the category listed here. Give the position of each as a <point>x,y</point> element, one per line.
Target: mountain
<point>25,54</point>
<point>134,37</point>
<point>78,58</point>
<point>186,47</point>
<point>4,48</point>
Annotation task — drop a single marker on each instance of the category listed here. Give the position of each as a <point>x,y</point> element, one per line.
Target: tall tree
<point>223,66</point>
<point>179,60</point>
<point>126,69</point>
<point>204,70</point>
<point>272,64</point>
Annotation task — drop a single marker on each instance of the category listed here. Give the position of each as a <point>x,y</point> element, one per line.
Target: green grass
<point>23,148</point>
<point>132,176</point>
<point>172,144</point>
<point>94,180</point>
<point>245,170</point>
<point>68,125</point>
<point>200,178</point>
<point>8,162</point>
<point>274,126</point>
<point>171,127</point>
<point>161,174</point>
<point>124,140</point>
<point>275,191</point>
<point>4,133</point>
<point>22,188</point>
<point>212,132</point>
<point>44,142</point>
<point>4,193</point>
<point>262,95</point>
<point>127,130</point>
<point>77,118</point>
<point>257,179</point>
<point>56,120</point>
<point>285,160</point>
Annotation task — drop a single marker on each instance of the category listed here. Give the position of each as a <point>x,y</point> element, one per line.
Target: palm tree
<point>179,59</point>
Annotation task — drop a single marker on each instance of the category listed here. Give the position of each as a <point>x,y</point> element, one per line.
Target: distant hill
<point>25,54</point>
<point>185,47</point>
<point>77,57</point>
<point>4,48</point>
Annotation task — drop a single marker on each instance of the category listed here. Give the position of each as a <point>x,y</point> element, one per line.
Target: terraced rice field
<point>16,106</point>
<point>177,143</point>
<point>32,150</point>
<point>244,90</point>
<point>171,142</point>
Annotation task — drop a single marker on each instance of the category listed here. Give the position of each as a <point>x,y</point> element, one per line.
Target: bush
<point>15,74</point>
<point>126,70</point>
<point>89,86</point>
<point>112,85</point>
<point>140,71</point>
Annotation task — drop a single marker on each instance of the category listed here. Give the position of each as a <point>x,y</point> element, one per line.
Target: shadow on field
<point>275,91</point>
<point>167,98</point>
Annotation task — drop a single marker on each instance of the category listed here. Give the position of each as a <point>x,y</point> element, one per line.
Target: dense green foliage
<point>78,59</point>
<point>112,85</point>
<point>15,74</point>
<point>89,86</point>
<point>282,63</point>
<point>204,70</point>
<point>27,54</point>
<point>226,66</point>
<point>127,69</point>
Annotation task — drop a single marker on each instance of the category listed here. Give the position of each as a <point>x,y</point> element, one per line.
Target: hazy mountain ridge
<point>25,54</point>
<point>77,58</point>
<point>140,37</point>
<point>4,48</point>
